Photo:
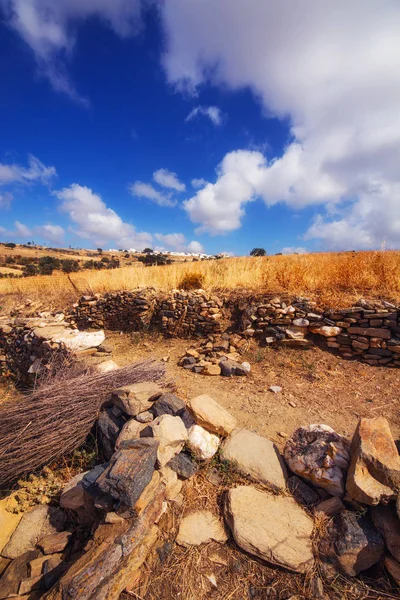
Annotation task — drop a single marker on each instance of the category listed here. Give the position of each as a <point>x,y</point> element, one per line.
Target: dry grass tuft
<point>57,417</point>
<point>334,279</point>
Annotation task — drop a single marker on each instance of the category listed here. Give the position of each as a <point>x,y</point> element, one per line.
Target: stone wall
<point>178,313</point>
<point>369,331</point>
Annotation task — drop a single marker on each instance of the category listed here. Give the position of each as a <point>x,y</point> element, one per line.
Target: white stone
<point>202,443</point>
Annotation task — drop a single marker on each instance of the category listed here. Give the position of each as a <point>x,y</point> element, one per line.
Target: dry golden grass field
<point>334,279</point>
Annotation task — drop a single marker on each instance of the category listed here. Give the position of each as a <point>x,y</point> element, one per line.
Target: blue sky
<point>288,121</point>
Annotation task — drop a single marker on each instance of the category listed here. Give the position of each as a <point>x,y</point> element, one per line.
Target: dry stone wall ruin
<point>368,331</point>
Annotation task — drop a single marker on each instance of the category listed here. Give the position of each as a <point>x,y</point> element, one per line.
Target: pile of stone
<point>153,441</point>
<point>217,355</point>
<point>31,346</point>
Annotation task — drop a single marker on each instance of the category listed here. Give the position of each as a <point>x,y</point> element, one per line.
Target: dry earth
<point>317,386</point>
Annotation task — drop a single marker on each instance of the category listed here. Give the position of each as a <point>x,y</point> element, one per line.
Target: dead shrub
<point>191,281</point>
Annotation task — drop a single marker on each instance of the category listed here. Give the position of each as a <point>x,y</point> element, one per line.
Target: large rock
<point>256,456</point>
<point>8,521</point>
<point>129,472</point>
<point>35,524</point>
<point>319,455</point>
<point>387,523</point>
<point>274,528</point>
<point>202,443</point>
<point>374,473</point>
<point>136,398</point>
<point>200,527</point>
<point>171,434</point>
<point>355,543</point>
<point>211,415</point>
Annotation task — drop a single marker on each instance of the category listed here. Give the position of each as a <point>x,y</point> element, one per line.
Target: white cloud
<point>195,247</point>
<point>49,28</point>
<point>141,189</point>
<point>211,112</point>
<point>5,200</point>
<point>198,183</point>
<point>177,242</point>
<point>332,69</point>
<point>168,179</point>
<point>35,172</point>
<point>51,233</point>
<point>294,250</point>
<point>96,222</point>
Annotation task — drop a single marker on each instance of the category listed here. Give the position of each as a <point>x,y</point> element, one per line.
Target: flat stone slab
<point>255,456</point>
<point>200,527</point>
<point>274,528</point>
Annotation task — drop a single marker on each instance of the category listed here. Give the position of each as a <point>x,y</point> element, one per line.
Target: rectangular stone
<point>370,332</point>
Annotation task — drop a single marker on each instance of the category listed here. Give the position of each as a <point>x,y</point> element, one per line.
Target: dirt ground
<point>317,386</point>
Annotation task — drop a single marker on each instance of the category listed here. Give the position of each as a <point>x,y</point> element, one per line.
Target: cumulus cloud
<point>332,70</point>
<point>5,200</point>
<point>178,243</point>
<point>49,28</point>
<point>141,189</point>
<point>198,183</point>
<point>294,250</point>
<point>94,221</point>
<point>168,179</point>
<point>211,112</point>
<point>36,171</point>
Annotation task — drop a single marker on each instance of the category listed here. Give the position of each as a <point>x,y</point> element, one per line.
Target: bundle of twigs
<point>57,416</point>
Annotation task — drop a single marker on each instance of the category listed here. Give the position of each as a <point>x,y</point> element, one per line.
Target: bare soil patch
<point>317,386</point>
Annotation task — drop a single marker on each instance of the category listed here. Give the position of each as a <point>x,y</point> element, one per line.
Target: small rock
<point>200,527</point>
<point>171,434</point>
<point>202,443</point>
<point>168,404</point>
<point>325,330</point>
<point>183,465</point>
<point>54,542</point>
<point>330,507</point>
<point>30,584</point>
<point>393,568</point>
<point>210,369</point>
<point>145,417</point>
<point>173,485</point>
<point>256,456</point>
<point>34,525</point>
<point>211,415</point>
<point>148,493</point>
<point>16,571</point>
<point>374,473</point>
<point>300,490</point>
<point>274,528</point>
<point>275,389</point>
<point>292,404</point>
<point>108,427</point>
<point>111,518</point>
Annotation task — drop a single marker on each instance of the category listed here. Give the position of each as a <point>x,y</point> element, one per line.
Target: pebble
<point>275,389</point>
<point>292,404</point>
